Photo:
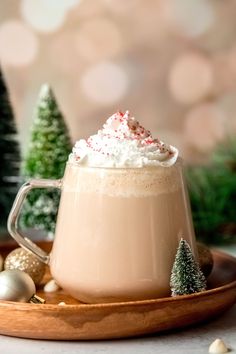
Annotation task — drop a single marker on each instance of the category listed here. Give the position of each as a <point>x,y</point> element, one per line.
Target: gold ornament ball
<point>206,261</point>
<point>1,263</point>
<point>27,262</point>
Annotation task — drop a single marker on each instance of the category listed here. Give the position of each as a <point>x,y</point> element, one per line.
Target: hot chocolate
<point>122,212</point>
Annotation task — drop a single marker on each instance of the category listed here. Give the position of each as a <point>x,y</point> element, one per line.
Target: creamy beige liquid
<point>118,231</point>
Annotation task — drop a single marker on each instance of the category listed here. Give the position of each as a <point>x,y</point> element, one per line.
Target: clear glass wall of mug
<point>117,230</point>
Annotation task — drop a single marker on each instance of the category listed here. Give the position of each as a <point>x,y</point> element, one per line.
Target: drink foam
<point>125,183</point>
<point>123,143</point>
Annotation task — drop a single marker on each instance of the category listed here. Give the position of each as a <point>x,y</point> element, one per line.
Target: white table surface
<point>194,340</point>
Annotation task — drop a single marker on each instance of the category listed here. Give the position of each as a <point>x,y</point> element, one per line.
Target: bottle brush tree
<point>186,276</point>
<point>9,157</point>
<point>46,157</point>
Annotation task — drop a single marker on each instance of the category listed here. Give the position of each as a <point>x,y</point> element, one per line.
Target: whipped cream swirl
<point>123,142</point>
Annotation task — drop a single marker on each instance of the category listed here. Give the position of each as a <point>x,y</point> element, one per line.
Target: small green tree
<point>9,156</point>
<point>46,157</point>
<point>186,276</point>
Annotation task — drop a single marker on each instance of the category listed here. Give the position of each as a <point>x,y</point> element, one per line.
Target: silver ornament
<point>16,285</point>
<point>27,262</point>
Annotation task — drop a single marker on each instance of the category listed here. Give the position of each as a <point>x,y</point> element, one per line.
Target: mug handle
<point>12,223</point>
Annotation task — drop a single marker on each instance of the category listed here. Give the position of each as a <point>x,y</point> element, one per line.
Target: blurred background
<point>172,63</point>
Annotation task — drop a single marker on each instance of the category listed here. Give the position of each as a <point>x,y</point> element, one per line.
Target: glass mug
<point>117,230</point>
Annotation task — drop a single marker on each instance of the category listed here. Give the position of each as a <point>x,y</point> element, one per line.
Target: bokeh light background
<point>172,63</point>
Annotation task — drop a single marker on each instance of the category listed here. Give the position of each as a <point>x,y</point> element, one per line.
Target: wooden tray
<point>76,321</point>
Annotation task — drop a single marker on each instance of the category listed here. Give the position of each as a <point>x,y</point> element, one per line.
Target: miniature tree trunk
<point>186,276</point>
<point>9,157</point>
<point>46,157</point>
